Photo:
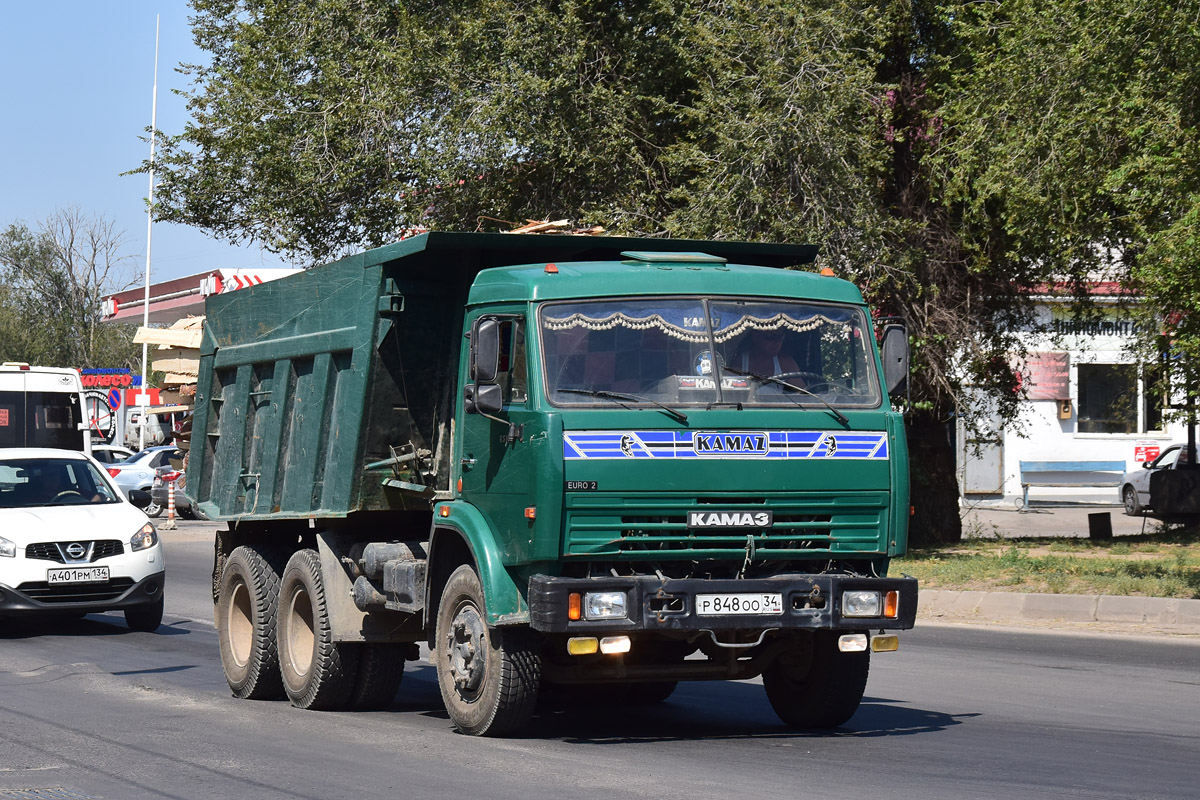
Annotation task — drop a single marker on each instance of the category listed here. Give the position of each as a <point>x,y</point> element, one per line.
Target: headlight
<point>604,605</point>
<point>8,549</point>
<point>861,604</point>
<point>146,537</point>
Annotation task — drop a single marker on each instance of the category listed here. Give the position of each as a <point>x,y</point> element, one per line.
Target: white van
<point>42,407</point>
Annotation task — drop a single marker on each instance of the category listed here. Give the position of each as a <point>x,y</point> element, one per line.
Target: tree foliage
<point>943,154</point>
<point>52,278</point>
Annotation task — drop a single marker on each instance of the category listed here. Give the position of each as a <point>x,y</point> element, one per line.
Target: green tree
<point>921,144</point>
<point>51,281</point>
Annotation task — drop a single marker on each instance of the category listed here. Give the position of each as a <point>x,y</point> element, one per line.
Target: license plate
<point>78,575</point>
<point>718,605</point>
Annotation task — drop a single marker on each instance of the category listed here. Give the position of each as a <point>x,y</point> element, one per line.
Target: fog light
<point>852,642</point>
<point>860,604</point>
<point>582,645</point>
<point>604,605</point>
<point>610,645</point>
<point>885,643</point>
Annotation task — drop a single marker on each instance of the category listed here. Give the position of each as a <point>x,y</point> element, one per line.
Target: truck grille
<point>50,551</point>
<point>656,527</point>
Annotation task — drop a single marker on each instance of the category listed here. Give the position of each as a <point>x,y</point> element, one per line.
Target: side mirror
<point>484,398</point>
<point>139,497</point>
<point>485,350</point>
<point>894,350</point>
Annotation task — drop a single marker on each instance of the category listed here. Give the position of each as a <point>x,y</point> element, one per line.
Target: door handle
<point>467,463</point>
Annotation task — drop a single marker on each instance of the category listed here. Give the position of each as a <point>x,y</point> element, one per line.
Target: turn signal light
<point>891,605</point>
<point>574,606</point>
<point>444,511</point>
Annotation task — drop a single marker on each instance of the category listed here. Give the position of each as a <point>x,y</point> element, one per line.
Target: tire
<point>1129,498</point>
<point>380,672</point>
<point>153,510</point>
<point>488,676</point>
<point>246,610</point>
<point>815,685</point>
<point>318,673</point>
<point>146,617</point>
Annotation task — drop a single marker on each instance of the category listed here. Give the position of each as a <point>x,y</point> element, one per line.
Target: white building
<point>1089,401</point>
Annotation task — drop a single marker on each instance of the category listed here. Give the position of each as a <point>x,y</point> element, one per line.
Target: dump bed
<point>331,391</point>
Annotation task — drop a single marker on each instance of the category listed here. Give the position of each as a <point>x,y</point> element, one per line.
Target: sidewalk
<point>1095,613</point>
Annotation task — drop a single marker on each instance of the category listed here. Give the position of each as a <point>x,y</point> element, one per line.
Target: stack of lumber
<point>561,226</point>
<point>178,354</point>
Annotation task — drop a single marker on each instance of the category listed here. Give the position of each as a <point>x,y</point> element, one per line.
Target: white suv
<point>72,544</point>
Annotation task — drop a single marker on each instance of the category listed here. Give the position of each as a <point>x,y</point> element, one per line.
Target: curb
<point>947,604</point>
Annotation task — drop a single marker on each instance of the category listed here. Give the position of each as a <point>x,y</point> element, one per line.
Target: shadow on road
<point>696,711</point>
<point>67,625</point>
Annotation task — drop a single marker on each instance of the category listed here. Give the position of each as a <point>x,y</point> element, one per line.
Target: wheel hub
<point>468,649</point>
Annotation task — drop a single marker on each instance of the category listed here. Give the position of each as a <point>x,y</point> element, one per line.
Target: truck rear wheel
<point>488,676</point>
<point>247,604</point>
<point>380,672</point>
<point>318,673</point>
<point>817,687</point>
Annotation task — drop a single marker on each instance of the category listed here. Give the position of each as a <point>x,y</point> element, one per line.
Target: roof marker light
<point>827,272</point>
<point>551,269</point>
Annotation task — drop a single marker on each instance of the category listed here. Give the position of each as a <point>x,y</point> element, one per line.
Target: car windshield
<point>36,482</point>
<point>700,351</point>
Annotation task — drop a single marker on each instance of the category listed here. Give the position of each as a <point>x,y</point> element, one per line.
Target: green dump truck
<point>576,466</point>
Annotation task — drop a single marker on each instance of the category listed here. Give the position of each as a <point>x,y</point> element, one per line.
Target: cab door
<point>497,457</point>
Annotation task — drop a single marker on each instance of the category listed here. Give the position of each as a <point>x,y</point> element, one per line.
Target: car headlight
<point>604,605</point>
<point>145,537</point>
<point>8,549</point>
<point>861,604</point>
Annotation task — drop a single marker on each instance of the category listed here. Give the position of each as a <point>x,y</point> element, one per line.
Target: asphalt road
<point>96,711</point>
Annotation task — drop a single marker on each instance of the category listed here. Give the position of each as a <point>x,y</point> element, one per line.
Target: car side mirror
<point>485,350</point>
<point>139,497</point>
<point>893,348</point>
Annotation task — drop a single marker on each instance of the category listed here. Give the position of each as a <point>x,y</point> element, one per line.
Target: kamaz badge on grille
<point>730,519</point>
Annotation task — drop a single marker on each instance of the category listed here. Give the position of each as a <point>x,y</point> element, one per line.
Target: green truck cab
<point>574,465</point>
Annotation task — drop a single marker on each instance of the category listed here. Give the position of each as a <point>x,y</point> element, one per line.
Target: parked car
<point>137,471</point>
<point>1135,486</point>
<point>71,543</point>
<point>185,506</point>
<point>110,453</point>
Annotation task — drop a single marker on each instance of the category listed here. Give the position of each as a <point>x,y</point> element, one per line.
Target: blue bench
<point>1070,473</point>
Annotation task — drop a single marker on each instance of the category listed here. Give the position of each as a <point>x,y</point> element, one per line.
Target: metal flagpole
<point>143,398</point>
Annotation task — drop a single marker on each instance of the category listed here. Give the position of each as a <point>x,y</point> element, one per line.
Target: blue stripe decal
<point>580,445</point>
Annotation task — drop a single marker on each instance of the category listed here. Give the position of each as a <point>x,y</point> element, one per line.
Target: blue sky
<point>76,94</point>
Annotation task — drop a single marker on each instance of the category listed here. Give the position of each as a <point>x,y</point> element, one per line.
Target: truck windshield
<point>701,351</point>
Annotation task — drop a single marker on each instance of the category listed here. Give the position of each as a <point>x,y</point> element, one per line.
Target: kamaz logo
<point>739,444</point>
<point>730,519</point>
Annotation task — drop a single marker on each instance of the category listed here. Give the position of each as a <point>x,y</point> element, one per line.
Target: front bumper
<point>810,602</point>
<point>118,593</point>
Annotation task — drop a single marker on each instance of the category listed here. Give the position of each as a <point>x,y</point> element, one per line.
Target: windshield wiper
<point>842,418</point>
<point>619,396</point>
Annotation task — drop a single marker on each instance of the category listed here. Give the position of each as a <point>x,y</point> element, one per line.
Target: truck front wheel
<point>815,685</point>
<point>488,676</point>
<point>247,604</point>
<point>318,673</point>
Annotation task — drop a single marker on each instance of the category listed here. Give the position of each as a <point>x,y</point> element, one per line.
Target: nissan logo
<point>76,550</point>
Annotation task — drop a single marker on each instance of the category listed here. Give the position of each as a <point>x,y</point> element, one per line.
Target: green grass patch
<point>1165,564</point>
